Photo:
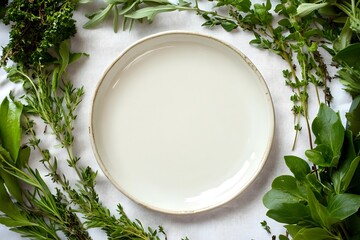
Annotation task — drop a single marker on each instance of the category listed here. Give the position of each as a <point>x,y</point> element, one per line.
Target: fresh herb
<point>37,26</point>
<point>51,96</point>
<point>27,204</point>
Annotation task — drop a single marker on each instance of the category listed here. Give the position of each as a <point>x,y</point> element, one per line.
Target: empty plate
<point>181,122</point>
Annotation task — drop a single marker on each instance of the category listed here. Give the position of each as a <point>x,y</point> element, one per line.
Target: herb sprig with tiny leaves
<point>51,96</point>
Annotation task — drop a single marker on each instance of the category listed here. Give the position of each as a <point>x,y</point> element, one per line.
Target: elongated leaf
<point>299,167</point>
<point>12,184</point>
<point>10,130</point>
<point>98,18</point>
<point>150,12</point>
<point>6,205</point>
<point>16,223</point>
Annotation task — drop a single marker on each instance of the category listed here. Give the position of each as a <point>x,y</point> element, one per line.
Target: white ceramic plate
<point>181,122</point>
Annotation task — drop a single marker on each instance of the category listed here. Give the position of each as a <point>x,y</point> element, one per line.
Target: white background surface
<point>241,217</point>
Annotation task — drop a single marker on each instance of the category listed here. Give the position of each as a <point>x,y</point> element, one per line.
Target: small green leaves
<point>329,133</point>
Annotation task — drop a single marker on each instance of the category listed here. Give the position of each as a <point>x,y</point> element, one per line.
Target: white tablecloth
<point>241,217</point>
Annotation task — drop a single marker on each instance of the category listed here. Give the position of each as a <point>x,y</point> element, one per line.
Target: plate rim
<point>265,90</point>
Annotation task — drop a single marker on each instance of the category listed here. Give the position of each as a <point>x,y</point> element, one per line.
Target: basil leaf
<point>329,133</point>
<point>314,234</point>
<point>349,56</point>
<point>342,206</point>
<point>284,190</point>
<point>290,213</point>
<point>353,116</point>
<point>299,167</point>
<point>319,213</point>
<point>10,130</point>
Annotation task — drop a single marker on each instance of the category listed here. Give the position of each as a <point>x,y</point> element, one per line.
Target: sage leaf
<point>10,130</point>
<point>150,12</point>
<point>329,133</point>
<point>299,167</point>
<point>98,18</point>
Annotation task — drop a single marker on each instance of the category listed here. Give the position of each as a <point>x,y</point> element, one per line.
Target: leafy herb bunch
<point>40,49</point>
<point>37,26</point>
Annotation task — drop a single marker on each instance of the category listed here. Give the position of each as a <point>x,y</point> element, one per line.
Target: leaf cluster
<point>27,204</point>
<point>344,15</point>
<point>37,26</point>
<point>131,10</point>
<point>322,202</point>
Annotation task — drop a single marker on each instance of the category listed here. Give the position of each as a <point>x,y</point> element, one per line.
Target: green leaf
<point>9,222</point>
<point>349,56</point>
<point>228,25</point>
<point>321,155</point>
<point>353,116</point>
<point>307,8</point>
<point>12,184</point>
<point>6,205</point>
<point>319,213</point>
<point>290,213</point>
<point>10,129</point>
<point>314,234</point>
<point>284,190</point>
<point>98,17</point>
<point>23,157</point>
<point>116,19</point>
<point>293,229</point>
<point>342,206</point>
<point>150,12</point>
<point>343,175</point>
<point>299,167</point>
<point>329,133</point>
<point>344,38</point>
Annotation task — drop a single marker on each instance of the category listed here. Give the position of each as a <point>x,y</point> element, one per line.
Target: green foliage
<point>319,204</point>
<point>37,26</point>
